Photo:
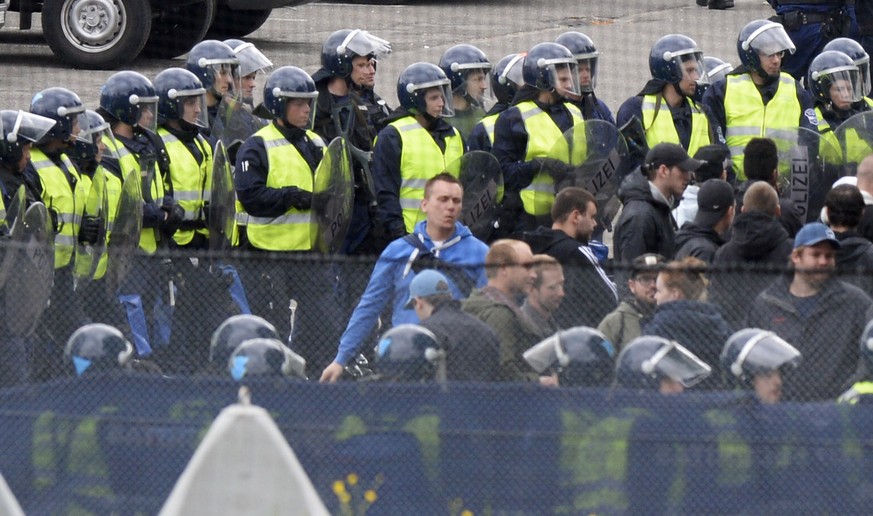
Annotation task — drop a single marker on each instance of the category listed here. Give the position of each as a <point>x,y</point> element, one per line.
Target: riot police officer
<point>97,348</point>
<point>415,146</point>
<point>526,134</point>
<point>217,67</point>
<point>252,63</point>
<point>410,353</point>
<point>587,55</point>
<point>577,357</point>
<point>659,364</point>
<point>231,333</point>
<point>467,68</point>
<point>505,81</point>
<point>665,110</point>
<point>755,359</point>
<point>265,358</point>
<point>836,85</point>
<point>860,57</point>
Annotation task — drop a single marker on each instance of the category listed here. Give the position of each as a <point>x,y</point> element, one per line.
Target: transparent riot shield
<point>16,208</point>
<point>14,213</point>
<point>222,207</point>
<point>854,139</point>
<point>27,291</point>
<point>482,178</point>
<point>96,205</point>
<point>124,237</point>
<point>809,163</point>
<point>589,156</point>
<point>235,122</point>
<point>333,195</point>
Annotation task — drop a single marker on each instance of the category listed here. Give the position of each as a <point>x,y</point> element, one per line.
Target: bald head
<point>761,197</point>
<point>865,174</point>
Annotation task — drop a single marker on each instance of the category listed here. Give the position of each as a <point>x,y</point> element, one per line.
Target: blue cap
<point>427,283</point>
<point>815,233</point>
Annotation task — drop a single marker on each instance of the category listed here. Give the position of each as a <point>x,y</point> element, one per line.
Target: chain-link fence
<point>115,441</point>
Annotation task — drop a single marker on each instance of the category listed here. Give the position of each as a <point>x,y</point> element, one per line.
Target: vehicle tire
<point>229,23</point>
<point>101,34</point>
<point>177,29</point>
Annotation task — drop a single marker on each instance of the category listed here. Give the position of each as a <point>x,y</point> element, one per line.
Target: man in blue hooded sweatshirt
<point>440,241</point>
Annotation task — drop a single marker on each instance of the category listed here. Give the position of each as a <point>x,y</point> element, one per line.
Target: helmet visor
<point>225,80</point>
<point>587,67</point>
<point>147,112</point>
<point>769,39</point>
<point>564,77</point>
<point>475,86</point>
<point>843,84</point>
<point>765,352</point>
<point>294,366</point>
<point>28,126</point>
<point>543,356</point>
<point>363,43</point>
<point>678,364</point>
<point>299,108</point>
<point>435,98</point>
<point>93,135</point>
<point>719,72</point>
<point>513,71</point>
<point>252,60</point>
<point>689,65</point>
<point>863,65</point>
<point>192,106</point>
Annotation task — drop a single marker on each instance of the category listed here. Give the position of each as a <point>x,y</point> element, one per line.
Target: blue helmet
<point>581,356</point>
<point>544,65</point>
<point>61,105</point>
<point>93,128</point>
<point>408,352</point>
<point>285,83</point>
<point>831,68</point>
<point>647,360</point>
<point>417,79</point>
<point>762,37</point>
<point>234,331</point>
<point>716,69</point>
<point>460,60</point>
<point>342,46</point>
<point>853,49</point>
<point>209,60</point>
<point>97,347</point>
<point>251,60</point>
<point>18,128</point>
<point>584,50</point>
<point>129,97</point>
<point>175,88</point>
<point>754,351</point>
<point>506,77</point>
<point>265,357</point>
<point>669,56</point>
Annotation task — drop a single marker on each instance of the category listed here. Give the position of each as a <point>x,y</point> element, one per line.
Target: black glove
<point>319,201</point>
<point>174,215</point>
<point>53,213</point>
<point>89,229</point>
<point>204,213</point>
<point>559,171</point>
<point>299,199</point>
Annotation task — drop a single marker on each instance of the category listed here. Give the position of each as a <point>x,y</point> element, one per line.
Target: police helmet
<point>61,105</point>
<point>176,89</point>
<point>251,60</point>
<point>93,129</point>
<point>506,77</point>
<point>342,46</point>
<point>670,56</point>
<point>716,69</point>
<point>408,352</point>
<point>289,82</point>
<point>544,64</point>
<point>265,357</point>
<point>646,360</point>
<point>234,331</point>
<point>762,37</point>
<point>18,128</point>
<point>581,356</point>
<point>129,97</point>
<point>458,61</point>
<point>754,351</point>
<point>853,49</point>
<point>211,58</point>
<point>97,347</point>
<point>583,49</point>
<point>416,80</point>
<point>833,68</point>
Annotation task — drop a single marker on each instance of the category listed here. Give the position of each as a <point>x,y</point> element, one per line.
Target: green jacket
<point>623,324</point>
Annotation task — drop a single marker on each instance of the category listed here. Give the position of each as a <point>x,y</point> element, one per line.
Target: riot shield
<point>482,178</point>
<point>854,140</point>
<point>235,122</point>
<point>27,291</point>
<point>96,205</point>
<point>809,163</point>
<point>16,208</point>
<point>126,228</point>
<point>332,198</point>
<point>14,213</point>
<point>589,156</point>
<point>222,207</point>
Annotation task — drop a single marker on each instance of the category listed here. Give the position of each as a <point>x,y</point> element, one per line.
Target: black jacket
<point>790,217</point>
<point>472,348</point>
<point>758,247</point>
<point>587,295</point>
<point>646,224</point>
<point>827,337</point>
<point>697,241</point>
<point>855,260</point>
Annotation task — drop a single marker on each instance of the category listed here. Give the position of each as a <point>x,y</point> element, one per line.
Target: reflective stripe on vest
<point>488,123</point>
<point>291,231</point>
<point>747,117</point>
<point>191,180</point>
<point>545,139</point>
<point>421,159</point>
<point>660,127</point>
<point>59,195</point>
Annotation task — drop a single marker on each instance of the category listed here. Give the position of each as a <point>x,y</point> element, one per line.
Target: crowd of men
<point>151,153</point>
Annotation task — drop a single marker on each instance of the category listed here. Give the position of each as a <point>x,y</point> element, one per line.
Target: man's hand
<point>332,373</point>
<point>89,229</point>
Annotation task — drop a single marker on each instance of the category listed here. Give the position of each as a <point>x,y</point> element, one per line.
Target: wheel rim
<point>93,25</point>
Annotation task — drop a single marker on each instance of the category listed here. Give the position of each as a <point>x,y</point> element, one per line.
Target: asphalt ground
<point>420,31</point>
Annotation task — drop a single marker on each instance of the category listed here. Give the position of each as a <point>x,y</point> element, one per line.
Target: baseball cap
<point>672,155</point>
<point>713,200</point>
<point>426,283</point>
<point>815,233</point>
<point>649,262</point>
<point>714,157</point>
